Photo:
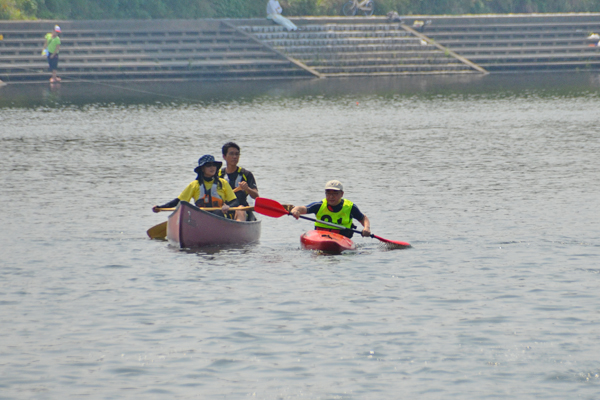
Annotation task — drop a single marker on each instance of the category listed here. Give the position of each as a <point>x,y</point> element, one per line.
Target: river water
<point>493,180</point>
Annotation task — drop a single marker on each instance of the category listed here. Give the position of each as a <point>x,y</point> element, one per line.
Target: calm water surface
<point>493,180</point>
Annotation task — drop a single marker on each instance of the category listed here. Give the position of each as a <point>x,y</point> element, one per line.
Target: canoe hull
<point>329,242</point>
<point>190,227</point>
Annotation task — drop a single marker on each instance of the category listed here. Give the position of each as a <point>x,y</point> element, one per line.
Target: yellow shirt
<point>192,191</point>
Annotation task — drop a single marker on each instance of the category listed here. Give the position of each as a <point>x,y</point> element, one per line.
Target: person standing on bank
<point>274,11</point>
<point>53,47</point>
<point>208,190</point>
<point>334,208</point>
<point>238,177</point>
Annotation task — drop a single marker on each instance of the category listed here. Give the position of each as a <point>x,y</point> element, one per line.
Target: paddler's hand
<point>295,212</point>
<point>225,208</point>
<point>156,209</point>
<point>366,232</point>
<point>243,185</point>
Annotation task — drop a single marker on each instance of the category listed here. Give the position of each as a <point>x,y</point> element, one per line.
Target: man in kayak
<point>208,190</point>
<point>334,208</point>
<point>240,178</point>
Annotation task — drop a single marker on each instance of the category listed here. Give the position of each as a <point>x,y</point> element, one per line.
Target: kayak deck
<point>326,241</point>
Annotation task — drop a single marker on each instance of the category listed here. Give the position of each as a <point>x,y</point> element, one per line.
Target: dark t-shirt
<point>241,195</point>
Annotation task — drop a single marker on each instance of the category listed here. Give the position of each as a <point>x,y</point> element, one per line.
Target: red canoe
<point>190,227</point>
<point>326,241</point>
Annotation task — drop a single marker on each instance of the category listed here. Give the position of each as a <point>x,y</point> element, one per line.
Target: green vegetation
<point>155,9</point>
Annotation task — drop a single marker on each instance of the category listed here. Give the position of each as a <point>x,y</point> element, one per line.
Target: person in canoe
<point>239,178</point>
<point>334,208</point>
<point>207,190</point>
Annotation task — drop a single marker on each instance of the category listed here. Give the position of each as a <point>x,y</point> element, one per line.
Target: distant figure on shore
<point>393,16</point>
<point>274,13</point>
<point>421,25</point>
<point>51,51</point>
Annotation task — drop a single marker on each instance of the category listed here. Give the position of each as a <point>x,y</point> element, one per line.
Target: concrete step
<point>539,66</point>
<point>340,27</point>
<point>372,62</point>
<point>467,52</point>
<point>509,35</point>
<point>542,57</point>
<point>155,65</point>
<point>358,41</point>
<point>247,73</point>
<point>432,52</point>
<point>331,34</point>
<point>140,57</point>
<point>354,49</point>
<point>441,28</point>
<point>391,69</point>
<point>398,73</point>
<point>36,34</point>
<point>457,44</point>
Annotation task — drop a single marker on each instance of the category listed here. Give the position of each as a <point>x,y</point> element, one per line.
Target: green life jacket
<point>341,217</point>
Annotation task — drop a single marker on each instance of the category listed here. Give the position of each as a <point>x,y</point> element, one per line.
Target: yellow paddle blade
<point>158,231</point>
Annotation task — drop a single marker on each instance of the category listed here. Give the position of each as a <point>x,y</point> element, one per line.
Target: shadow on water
<point>26,95</point>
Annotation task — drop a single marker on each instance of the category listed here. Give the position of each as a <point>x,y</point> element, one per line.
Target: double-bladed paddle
<point>272,208</point>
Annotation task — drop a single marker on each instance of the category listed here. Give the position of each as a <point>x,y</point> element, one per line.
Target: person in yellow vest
<point>52,49</point>
<point>207,190</point>
<point>240,178</point>
<point>334,208</point>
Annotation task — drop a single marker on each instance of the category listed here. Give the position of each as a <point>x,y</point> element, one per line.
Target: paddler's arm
<point>250,191</point>
<point>298,211</point>
<point>367,226</point>
<point>230,198</point>
<point>171,204</point>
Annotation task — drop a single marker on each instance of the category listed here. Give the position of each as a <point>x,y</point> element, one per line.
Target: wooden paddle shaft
<point>213,209</point>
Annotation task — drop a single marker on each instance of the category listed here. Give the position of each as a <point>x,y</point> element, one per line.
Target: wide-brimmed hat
<point>207,158</point>
<point>334,185</point>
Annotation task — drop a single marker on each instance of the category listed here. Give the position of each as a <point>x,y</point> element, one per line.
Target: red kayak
<point>329,242</point>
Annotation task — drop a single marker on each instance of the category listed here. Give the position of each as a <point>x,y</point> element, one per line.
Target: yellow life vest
<point>210,197</point>
<point>341,217</point>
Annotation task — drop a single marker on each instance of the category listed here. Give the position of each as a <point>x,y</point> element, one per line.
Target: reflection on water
<point>494,180</point>
<point>91,92</point>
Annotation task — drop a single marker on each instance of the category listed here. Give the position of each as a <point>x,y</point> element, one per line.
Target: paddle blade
<point>391,244</point>
<point>268,207</point>
<point>158,231</point>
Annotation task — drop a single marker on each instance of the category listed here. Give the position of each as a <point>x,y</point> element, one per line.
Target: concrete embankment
<point>324,47</point>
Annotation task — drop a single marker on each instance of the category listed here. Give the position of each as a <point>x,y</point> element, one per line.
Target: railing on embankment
<point>256,48</point>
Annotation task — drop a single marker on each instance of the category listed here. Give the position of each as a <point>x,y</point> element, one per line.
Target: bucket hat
<point>207,158</point>
<point>334,185</point>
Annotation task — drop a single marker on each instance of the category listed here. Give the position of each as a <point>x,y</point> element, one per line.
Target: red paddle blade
<point>392,244</point>
<point>269,207</point>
